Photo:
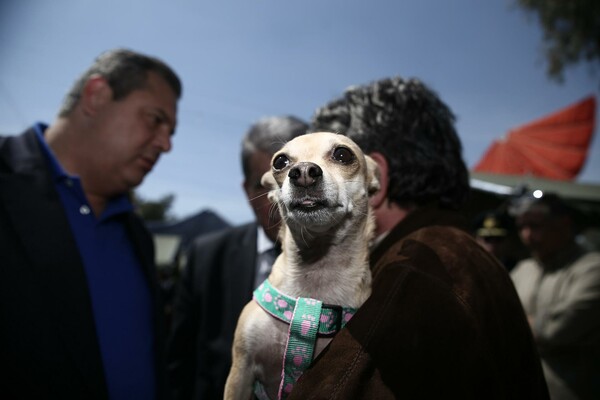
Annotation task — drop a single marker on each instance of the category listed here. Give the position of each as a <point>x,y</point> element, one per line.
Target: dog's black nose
<point>305,174</point>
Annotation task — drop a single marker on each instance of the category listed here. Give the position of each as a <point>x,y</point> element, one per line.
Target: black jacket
<point>216,284</point>
<point>48,343</point>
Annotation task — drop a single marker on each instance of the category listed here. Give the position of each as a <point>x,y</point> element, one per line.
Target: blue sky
<point>241,60</point>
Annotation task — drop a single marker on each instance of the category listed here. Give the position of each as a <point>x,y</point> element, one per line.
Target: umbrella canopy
<point>553,147</point>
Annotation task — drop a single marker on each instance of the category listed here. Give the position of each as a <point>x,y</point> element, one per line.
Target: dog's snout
<point>305,174</point>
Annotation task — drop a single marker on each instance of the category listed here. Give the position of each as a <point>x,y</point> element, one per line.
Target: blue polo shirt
<point>119,291</point>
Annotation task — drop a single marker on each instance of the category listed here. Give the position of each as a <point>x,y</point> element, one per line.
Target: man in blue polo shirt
<point>79,313</point>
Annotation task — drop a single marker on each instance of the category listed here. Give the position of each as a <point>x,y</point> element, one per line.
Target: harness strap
<point>281,306</point>
<point>302,337</point>
<point>307,318</point>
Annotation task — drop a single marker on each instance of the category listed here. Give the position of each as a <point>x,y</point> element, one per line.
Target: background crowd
<point>502,306</point>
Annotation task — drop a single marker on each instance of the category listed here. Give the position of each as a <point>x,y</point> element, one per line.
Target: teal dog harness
<point>307,318</point>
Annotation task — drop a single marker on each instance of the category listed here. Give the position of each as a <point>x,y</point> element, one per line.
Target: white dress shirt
<point>266,254</point>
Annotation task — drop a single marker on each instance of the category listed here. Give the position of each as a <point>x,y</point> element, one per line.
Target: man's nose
<point>525,233</point>
<point>163,140</point>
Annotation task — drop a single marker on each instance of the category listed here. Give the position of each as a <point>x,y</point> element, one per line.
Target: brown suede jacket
<point>444,321</point>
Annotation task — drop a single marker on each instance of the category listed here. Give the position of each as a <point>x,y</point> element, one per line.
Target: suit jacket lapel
<point>241,271</point>
<point>39,220</point>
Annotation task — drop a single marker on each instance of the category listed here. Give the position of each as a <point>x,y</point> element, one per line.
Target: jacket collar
<point>421,217</point>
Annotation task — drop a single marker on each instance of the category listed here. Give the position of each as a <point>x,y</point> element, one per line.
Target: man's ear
<point>95,93</point>
<point>380,196</point>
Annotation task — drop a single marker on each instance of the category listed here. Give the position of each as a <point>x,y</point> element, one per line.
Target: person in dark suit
<point>79,312</point>
<point>222,270</point>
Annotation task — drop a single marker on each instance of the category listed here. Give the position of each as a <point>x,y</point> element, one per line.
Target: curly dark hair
<point>413,129</point>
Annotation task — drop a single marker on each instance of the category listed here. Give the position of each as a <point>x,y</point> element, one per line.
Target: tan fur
<point>326,230</point>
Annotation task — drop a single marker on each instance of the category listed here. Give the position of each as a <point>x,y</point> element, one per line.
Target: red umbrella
<point>553,147</point>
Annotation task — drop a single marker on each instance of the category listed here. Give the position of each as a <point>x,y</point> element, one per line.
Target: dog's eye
<point>280,162</point>
<point>343,155</point>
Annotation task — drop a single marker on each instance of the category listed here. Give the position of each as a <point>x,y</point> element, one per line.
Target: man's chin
<point>134,181</point>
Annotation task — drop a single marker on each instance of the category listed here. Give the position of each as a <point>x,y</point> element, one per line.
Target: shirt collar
<point>117,205</point>
<point>263,243</point>
<point>56,169</point>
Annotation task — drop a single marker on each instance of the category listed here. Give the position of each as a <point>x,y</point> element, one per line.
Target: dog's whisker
<point>259,196</point>
<point>272,210</point>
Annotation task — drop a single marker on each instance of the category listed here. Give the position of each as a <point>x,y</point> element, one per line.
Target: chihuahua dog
<point>321,184</point>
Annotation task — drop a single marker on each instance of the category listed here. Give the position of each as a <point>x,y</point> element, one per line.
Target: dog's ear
<point>373,175</point>
<point>268,180</point>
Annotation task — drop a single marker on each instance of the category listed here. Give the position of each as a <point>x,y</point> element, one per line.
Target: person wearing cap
<point>494,230</point>
<point>559,287</point>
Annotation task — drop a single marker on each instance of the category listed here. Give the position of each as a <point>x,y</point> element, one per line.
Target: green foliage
<point>154,210</point>
<point>571,32</point>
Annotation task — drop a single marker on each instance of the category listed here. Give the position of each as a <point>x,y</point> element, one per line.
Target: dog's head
<point>321,180</point>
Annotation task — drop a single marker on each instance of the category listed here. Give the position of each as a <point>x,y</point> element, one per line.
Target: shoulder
<point>217,244</point>
<point>442,234</point>
<point>440,251</point>
<point>591,257</point>
<point>24,138</point>
<point>525,272</point>
<point>435,242</point>
<point>525,264</point>
<point>19,149</point>
<point>226,235</point>
<point>588,263</point>
<point>449,244</point>
<point>209,253</point>
<point>451,257</point>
